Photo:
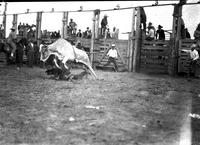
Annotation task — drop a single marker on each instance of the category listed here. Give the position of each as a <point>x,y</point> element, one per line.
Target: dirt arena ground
<point>118,108</point>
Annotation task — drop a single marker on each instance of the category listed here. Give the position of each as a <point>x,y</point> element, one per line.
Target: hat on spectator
<point>113,45</point>
<point>105,15</point>
<point>13,28</point>
<point>159,26</point>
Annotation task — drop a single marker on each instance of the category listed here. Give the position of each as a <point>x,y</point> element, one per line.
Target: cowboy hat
<point>105,15</point>
<point>113,45</point>
<point>159,26</point>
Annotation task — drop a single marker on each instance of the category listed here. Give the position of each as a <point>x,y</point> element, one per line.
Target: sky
<point>122,19</point>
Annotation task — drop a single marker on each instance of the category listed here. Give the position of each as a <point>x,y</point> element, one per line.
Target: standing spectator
<point>143,18</point>
<point>19,29</point>
<point>151,32</point>
<point>187,33</point>
<point>42,64</point>
<point>19,54</point>
<point>72,27</point>
<point>36,54</point>
<point>79,34</point>
<point>160,34</point>
<point>104,23</point>
<point>1,31</point>
<point>194,56</point>
<point>112,57</point>
<point>30,54</point>
<point>11,40</point>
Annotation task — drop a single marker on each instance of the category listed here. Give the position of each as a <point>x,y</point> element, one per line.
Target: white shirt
<point>41,47</point>
<point>193,54</point>
<point>151,33</point>
<point>112,53</point>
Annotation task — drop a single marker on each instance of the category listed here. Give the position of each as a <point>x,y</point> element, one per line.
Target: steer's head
<point>45,53</point>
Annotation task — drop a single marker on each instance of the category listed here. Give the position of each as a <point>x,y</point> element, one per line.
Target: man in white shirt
<point>194,56</point>
<point>112,54</point>
<point>151,32</point>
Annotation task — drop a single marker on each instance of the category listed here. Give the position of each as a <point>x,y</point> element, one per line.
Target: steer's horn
<point>91,69</point>
<point>89,66</point>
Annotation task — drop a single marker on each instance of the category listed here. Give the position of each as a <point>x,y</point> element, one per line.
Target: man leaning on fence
<point>194,56</point>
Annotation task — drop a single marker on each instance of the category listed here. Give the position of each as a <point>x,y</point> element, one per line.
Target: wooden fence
<point>154,57</point>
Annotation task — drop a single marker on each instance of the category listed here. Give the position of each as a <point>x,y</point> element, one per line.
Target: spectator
<point>187,33</point>
<point>160,34</point>
<point>19,54</point>
<point>36,54</point>
<point>79,34</point>
<point>58,34</point>
<point>194,56</point>
<point>104,23</point>
<point>11,40</point>
<point>20,29</point>
<point>183,36</point>
<point>30,54</point>
<point>143,18</point>
<point>72,27</point>
<point>42,64</point>
<point>112,57</point>
<point>108,34</point>
<point>87,33</point>
<point>151,32</point>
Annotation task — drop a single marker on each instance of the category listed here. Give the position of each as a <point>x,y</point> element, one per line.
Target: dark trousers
<point>103,30</point>
<point>113,60</point>
<point>192,67</point>
<point>30,59</point>
<point>19,57</point>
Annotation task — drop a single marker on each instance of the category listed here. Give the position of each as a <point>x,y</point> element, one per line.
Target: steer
<point>64,51</point>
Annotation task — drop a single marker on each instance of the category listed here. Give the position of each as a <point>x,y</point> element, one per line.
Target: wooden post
<point>136,55</point>
<point>93,38</point>
<point>38,27</point>
<point>131,46</point>
<point>4,19</point>
<point>97,13</point>
<point>64,25</point>
<point>14,22</point>
<point>175,51</point>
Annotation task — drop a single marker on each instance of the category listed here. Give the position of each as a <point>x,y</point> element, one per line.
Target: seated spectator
<point>108,34</point>
<point>160,34</point>
<point>86,33</point>
<point>89,35</point>
<point>79,34</point>
<point>151,32</point>
<point>58,34</point>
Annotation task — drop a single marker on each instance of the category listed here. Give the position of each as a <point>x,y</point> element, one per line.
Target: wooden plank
<point>154,53</point>
<point>151,47</point>
<point>145,42</point>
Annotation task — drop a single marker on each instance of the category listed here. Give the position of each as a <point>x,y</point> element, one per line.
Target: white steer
<point>65,52</point>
